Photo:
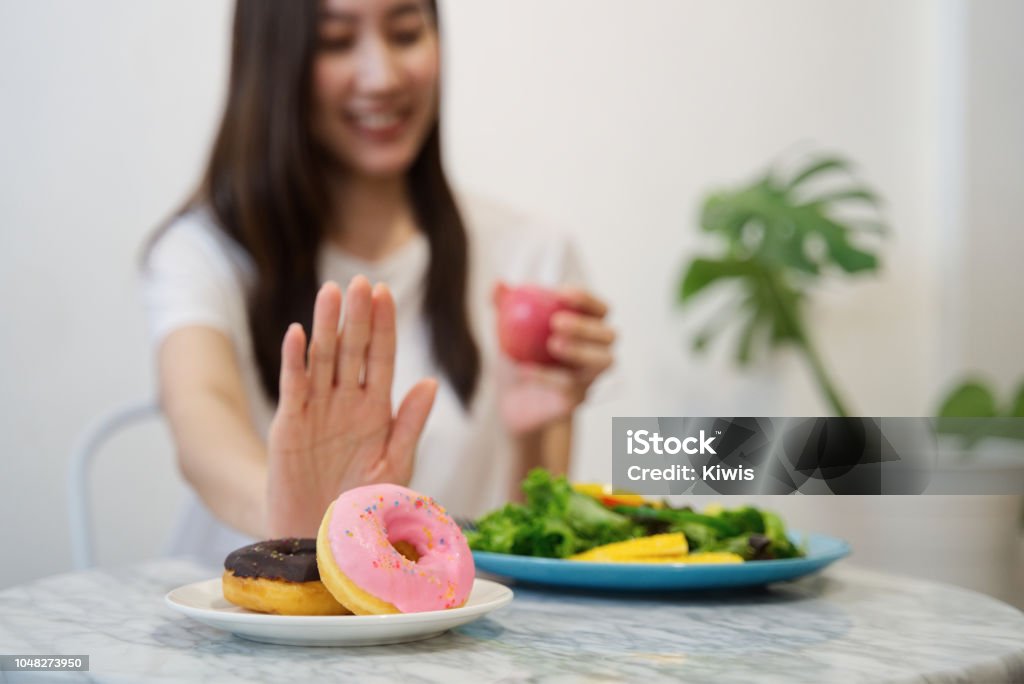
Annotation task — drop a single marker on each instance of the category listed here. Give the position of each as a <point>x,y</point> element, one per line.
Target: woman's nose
<point>378,69</point>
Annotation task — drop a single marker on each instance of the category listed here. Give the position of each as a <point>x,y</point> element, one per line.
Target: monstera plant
<point>777,239</point>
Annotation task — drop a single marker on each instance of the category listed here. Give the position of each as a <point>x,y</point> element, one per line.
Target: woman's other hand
<point>334,428</point>
<point>534,396</point>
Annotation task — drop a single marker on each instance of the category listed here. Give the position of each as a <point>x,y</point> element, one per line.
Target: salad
<point>587,524</point>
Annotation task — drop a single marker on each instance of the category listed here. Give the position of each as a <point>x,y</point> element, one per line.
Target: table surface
<point>845,625</point>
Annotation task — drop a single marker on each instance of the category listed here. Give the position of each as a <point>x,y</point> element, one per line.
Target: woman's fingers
<point>293,386</point>
<point>583,301</point>
<point>380,357</point>
<point>355,333</point>
<point>586,356</point>
<point>411,417</point>
<point>583,328</point>
<point>323,345</point>
<point>581,340</point>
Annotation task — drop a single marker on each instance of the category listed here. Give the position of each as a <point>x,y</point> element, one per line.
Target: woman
<point>327,168</point>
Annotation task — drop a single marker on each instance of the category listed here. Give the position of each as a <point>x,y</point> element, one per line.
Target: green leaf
<point>698,535</point>
<point>500,530</point>
<point>785,244</point>
<point>845,255</point>
<point>848,257</point>
<point>783,300</point>
<point>723,214</point>
<point>1017,409</point>
<point>704,272</point>
<point>746,519</point>
<point>775,530</point>
<point>971,399</point>
<point>740,545</point>
<point>782,333</point>
<point>820,166</point>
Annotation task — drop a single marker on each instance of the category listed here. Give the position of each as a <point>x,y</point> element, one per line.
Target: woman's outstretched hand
<point>334,428</point>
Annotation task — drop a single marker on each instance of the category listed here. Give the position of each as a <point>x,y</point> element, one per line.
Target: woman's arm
<point>333,429</point>
<point>549,447</point>
<point>556,447</point>
<point>219,451</point>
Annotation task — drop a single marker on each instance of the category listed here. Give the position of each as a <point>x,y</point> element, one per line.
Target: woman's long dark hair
<point>265,185</point>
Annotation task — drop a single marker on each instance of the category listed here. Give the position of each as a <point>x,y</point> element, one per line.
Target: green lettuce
<point>555,522</point>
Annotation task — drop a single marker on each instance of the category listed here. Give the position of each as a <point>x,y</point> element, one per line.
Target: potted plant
<point>777,238</point>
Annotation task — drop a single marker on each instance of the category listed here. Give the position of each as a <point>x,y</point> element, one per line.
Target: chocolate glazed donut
<point>293,560</point>
<point>278,576</point>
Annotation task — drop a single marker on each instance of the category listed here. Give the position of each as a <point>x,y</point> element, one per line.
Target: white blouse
<point>198,276</point>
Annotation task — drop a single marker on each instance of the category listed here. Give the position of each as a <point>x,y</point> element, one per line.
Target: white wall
<point>994,197</point>
<point>609,118</point>
<point>615,119</point>
<point>107,109</point>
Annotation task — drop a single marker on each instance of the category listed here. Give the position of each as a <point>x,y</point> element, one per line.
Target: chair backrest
<point>85,450</point>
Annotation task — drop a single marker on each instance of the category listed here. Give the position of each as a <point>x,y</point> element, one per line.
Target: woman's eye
<point>337,43</point>
<point>407,37</point>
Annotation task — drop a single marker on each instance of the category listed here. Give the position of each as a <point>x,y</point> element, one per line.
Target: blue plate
<point>821,551</point>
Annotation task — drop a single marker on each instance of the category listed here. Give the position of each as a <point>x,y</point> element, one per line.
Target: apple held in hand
<point>524,321</point>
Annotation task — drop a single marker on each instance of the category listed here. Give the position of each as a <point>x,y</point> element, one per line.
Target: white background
<point>611,119</point>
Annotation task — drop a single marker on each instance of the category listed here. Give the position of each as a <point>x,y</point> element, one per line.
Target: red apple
<point>524,322</point>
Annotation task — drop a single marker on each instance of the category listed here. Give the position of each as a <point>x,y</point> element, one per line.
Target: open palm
<point>334,428</point>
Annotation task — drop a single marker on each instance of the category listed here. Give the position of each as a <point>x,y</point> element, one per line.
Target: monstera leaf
<point>777,240</point>
<point>973,399</point>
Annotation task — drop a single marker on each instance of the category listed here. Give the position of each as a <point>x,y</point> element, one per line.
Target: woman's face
<point>375,83</point>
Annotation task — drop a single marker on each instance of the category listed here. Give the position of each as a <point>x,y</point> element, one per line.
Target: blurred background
<point>613,120</point>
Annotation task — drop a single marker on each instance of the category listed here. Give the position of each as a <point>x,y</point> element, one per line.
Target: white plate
<point>204,601</point>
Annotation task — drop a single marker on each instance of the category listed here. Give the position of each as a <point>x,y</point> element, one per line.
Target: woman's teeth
<point>377,121</point>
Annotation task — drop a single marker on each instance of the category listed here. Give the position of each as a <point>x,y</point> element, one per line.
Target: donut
<point>385,549</point>
<point>278,576</point>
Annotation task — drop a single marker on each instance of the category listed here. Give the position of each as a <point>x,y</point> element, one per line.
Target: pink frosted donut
<point>361,566</point>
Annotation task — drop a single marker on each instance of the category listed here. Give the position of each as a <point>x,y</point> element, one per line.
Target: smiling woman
<point>327,169</point>
<point>375,84</point>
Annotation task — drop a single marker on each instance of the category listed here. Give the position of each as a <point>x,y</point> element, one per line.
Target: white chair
<point>79,499</point>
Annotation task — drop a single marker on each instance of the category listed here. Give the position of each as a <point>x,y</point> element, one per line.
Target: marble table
<point>846,625</point>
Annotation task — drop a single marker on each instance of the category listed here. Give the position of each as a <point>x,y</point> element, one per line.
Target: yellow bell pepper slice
<point>604,494</point>
<point>671,544</point>
<point>592,489</point>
